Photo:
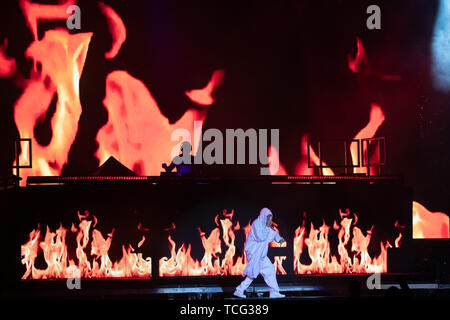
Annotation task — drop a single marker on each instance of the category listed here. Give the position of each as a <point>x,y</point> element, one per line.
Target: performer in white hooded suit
<point>256,247</point>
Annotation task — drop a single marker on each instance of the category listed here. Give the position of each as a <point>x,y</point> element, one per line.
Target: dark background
<point>285,67</point>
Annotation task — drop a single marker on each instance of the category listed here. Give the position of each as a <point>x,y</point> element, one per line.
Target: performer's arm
<point>277,237</point>
<point>170,167</point>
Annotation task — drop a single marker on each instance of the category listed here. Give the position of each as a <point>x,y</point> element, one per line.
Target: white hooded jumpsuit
<point>256,249</point>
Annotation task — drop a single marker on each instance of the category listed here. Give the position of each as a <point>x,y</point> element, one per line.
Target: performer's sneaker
<point>277,295</point>
<point>239,294</point>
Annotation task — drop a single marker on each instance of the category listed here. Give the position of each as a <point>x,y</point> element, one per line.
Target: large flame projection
<point>93,264</point>
<point>355,260</point>
<point>134,115</point>
<point>425,223</point>
<point>137,133</point>
<point>139,136</point>
<point>181,263</point>
<point>429,225</point>
<point>116,28</point>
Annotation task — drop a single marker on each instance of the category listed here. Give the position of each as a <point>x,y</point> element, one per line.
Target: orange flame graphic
<point>7,64</point>
<point>181,262</point>
<point>429,225</point>
<point>61,56</point>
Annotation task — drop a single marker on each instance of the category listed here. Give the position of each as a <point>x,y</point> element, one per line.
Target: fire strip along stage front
<point>167,231</point>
